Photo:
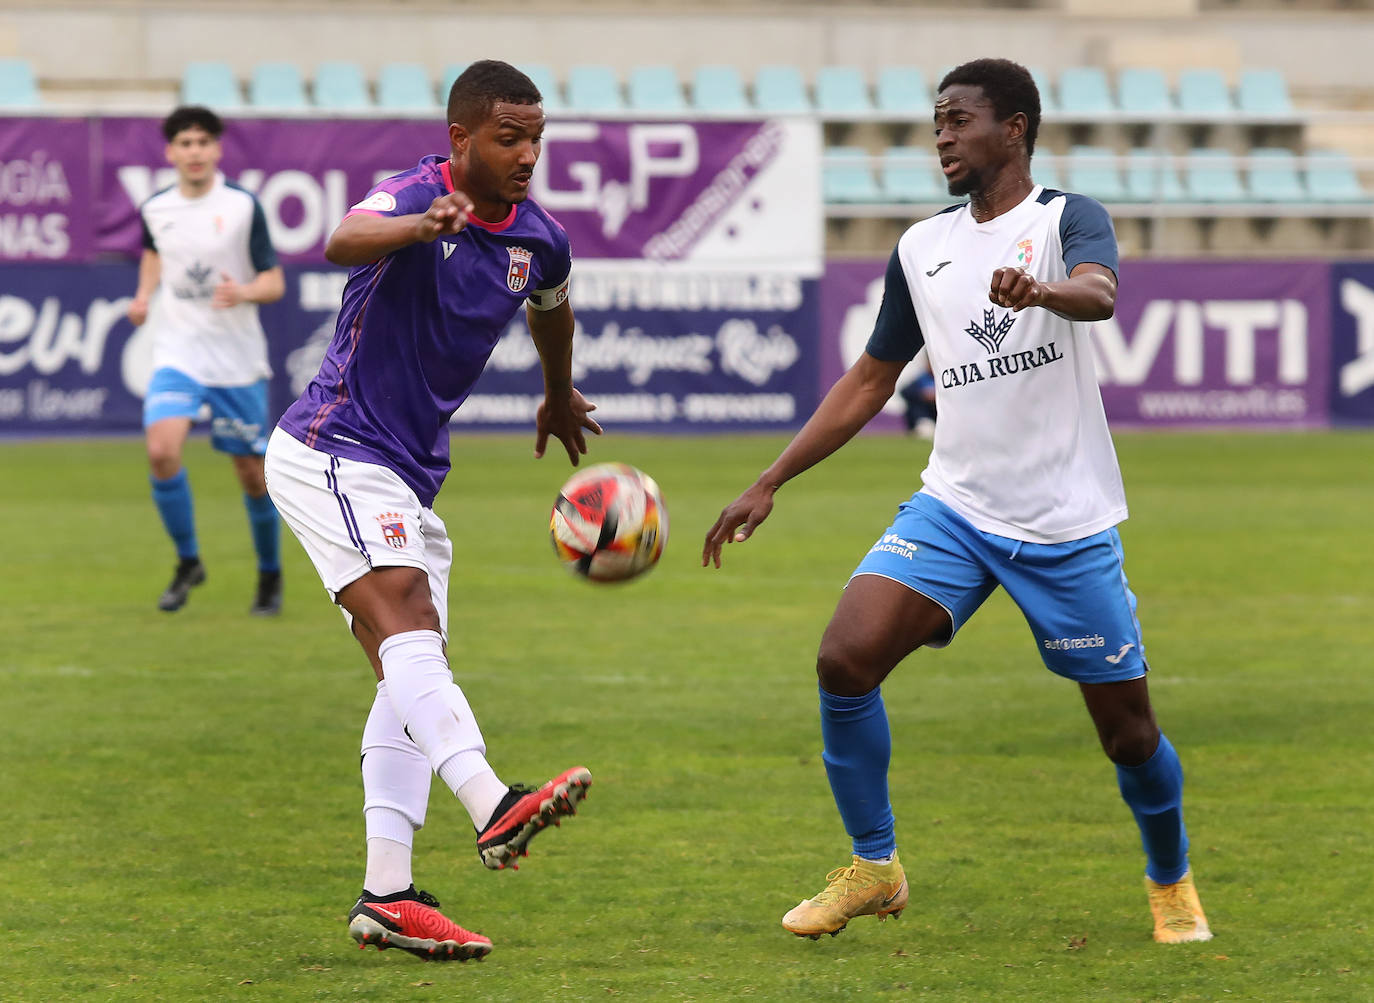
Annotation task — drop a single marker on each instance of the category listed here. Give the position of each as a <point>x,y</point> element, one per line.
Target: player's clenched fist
<point>1016,288</point>
<point>446,215</point>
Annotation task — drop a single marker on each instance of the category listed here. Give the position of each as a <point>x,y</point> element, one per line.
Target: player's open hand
<point>1016,288</point>
<point>565,420</point>
<point>445,216</point>
<point>737,521</point>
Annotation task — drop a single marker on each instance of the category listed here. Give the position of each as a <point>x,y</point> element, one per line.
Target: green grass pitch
<point>181,797</point>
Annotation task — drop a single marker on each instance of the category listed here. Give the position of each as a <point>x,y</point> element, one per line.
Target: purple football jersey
<point>416,329</point>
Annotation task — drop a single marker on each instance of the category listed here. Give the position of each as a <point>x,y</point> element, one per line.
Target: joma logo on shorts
<point>1071,643</point>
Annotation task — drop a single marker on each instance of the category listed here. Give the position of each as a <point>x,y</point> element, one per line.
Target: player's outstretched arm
<point>364,237</point>
<point>564,412</point>
<point>1089,293</point>
<point>852,402</point>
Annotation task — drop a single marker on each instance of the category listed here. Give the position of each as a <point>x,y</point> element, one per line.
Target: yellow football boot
<point>861,889</point>
<point>1178,913</point>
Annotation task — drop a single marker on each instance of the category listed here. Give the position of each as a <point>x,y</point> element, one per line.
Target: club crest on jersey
<point>1023,252</point>
<point>519,273</point>
<point>393,529</point>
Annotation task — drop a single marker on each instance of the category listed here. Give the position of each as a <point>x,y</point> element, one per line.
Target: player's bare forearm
<point>363,238</point>
<point>267,287</point>
<point>1089,293</point>
<point>552,333</point>
<point>564,413</point>
<point>149,275</point>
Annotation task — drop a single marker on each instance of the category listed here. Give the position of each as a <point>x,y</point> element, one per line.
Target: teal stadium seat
<point>1263,92</point>
<point>452,72</point>
<point>339,86</point>
<point>902,90</point>
<point>594,87</point>
<point>842,90</point>
<point>910,174</point>
<point>543,78</point>
<point>1274,176</point>
<point>1142,92</point>
<point>1083,90</point>
<point>1045,170</point>
<point>18,84</point>
<point>1212,176</point>
<point>718,89</point>
<point>1204,92</point>
<point>655,88</point>
<point>406,87</point>
<point>1042,83</point>
<point>780,89</point>
<point>847,176</point>
<point>1331,177</point>
<point>278,87</point>
<point>211,84</point>
<point>1150,177</point>
<point>1093,171</point>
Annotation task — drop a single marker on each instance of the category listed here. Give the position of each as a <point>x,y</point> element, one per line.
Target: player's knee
<point>163,461</point>
<point>843,671</point>
<point>1131,742</point>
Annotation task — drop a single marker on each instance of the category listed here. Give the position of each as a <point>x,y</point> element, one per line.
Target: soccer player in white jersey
<point>207,263</point>
<point>1022,490</point>
<point>441,257</point>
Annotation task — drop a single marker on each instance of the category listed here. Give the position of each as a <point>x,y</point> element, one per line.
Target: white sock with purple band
<point>436,715</point>
<point>396,777</point>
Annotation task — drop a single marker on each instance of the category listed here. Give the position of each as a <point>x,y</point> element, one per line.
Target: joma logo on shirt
<point>1000,365</point>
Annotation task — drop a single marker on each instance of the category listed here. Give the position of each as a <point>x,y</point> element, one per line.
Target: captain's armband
<point>550,299</point>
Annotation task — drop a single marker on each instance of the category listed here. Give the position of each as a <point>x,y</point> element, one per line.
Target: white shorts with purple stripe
<point>352,517</point>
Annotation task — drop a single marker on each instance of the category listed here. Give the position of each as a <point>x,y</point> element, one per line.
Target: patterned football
<point>609,523</point>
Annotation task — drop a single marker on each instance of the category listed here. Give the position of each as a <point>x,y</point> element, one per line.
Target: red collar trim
<point>446,169</point>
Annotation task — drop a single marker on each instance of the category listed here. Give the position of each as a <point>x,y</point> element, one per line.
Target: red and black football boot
<point>412,921</point>
<point>523,813</point>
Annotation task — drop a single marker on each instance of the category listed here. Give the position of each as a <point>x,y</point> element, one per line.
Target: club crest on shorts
<point>393,529</point>
<point>519,273</point>
<point>1023,252</point>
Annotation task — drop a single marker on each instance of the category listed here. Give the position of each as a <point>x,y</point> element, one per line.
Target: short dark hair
<point>482,85</point>
<point>192,116</point>
<point>1009,86</point>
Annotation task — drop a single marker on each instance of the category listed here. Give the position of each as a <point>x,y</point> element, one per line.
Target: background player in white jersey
<point>1022,490</point>
<point>210,262</point>
<point>442,257</point>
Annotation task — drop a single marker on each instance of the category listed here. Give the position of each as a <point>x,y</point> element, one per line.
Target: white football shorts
<point>352,517</point>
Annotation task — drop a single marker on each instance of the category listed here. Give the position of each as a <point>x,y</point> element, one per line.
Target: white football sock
<point>436,715</point>
<point>395,797</point>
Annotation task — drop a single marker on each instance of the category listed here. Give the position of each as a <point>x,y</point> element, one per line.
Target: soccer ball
<point>609,523</point>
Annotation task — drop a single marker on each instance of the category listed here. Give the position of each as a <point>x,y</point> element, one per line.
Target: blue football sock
<point>1154,792</point>
<point>858,748</point>
<point>173,499</point>
<point>262,518</point>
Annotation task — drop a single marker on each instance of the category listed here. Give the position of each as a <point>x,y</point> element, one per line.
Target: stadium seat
<point>1331,177</point>
<point>902,90</point>
<point>277,86</point>
<point>719,89</point>
<point>211,84</point>
<point>405,87</point>
<point>1143,92</point>
<point>1093,171</point>
<point>544,79</point>
<point>780,89</point>
<point>1274,176</point>
<point>655,88</point>
<point>1211,176</point>
<point>339,86</point>
<point>1204,92</point>
<point>1042,83</point>
<point>1045,170</point>
<point>1083,90</point>
<point>842,90</point>
<point>909,174</point>
<point>453,71</point>
<point>1150,177</point>
<point>1263,92</point>
<point>594,87</point>
<point>847,175</point>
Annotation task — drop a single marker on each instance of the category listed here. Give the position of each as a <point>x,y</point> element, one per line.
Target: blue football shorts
<point>238,415</point>
<point>1074,595</point>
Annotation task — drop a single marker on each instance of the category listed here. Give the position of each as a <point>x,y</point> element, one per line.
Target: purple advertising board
<point>673,352</point>
<point>1192,343</point>
<point>699,193</point>
<point>1352,344</point>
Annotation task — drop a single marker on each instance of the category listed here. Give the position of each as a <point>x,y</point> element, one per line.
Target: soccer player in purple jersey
<point>441,258</point>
